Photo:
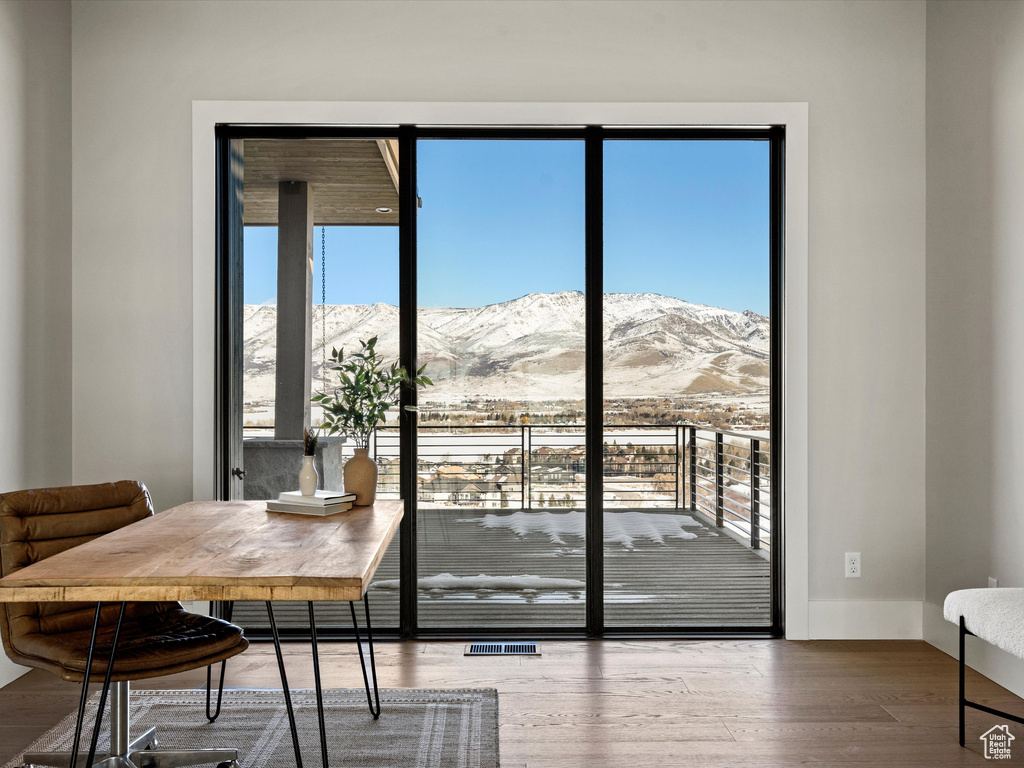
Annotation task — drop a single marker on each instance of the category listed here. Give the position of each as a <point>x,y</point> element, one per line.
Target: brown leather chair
<point>154,638</point>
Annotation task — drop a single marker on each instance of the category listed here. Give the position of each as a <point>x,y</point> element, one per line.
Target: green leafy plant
<point>367,390</point>
<point>310,437</point>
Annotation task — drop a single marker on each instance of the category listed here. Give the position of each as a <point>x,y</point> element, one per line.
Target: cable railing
<point>720,476</point>
<point>730,483</point>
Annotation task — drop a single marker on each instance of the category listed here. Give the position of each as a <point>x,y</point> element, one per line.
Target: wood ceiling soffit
<point>349,179</point>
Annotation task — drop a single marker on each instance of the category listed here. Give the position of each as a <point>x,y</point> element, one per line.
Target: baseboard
<point>864,620</point>
<point>9,671</point>
<point>996,665</point>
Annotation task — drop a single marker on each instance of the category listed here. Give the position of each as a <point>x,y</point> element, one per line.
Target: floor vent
<point>502,649</point>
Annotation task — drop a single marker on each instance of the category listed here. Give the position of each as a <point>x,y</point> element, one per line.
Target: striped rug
<point>417,728</point>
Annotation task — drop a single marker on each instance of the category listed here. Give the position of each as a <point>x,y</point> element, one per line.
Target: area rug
<point>417,728</point>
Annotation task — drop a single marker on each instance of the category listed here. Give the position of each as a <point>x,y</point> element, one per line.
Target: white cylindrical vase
<point>308,477</point>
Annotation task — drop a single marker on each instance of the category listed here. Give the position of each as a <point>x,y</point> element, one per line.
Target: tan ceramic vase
<point>360,474</point>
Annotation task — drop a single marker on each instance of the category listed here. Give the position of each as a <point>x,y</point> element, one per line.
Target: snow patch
<point>524,582</point>
<point>619,527</point>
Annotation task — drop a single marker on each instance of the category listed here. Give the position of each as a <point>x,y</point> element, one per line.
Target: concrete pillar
<point>294,309</point>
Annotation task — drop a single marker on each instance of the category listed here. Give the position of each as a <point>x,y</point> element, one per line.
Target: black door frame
<point>229,281</point>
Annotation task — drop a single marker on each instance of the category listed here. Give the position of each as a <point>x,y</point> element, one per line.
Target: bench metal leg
<point>963,685</point>
<point>964,701</point>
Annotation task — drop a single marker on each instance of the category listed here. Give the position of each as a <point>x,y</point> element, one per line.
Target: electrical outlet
<point>992,583</point>
<point>853,565</point>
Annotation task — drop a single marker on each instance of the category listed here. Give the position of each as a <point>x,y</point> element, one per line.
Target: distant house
<point>454,485</point>
<point>555,474</point>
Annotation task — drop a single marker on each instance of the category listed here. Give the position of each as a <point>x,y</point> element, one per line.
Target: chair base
<point>141,752</point>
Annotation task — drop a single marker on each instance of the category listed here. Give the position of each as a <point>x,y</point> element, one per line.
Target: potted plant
<point>368,387</point>
<point>308,477</point>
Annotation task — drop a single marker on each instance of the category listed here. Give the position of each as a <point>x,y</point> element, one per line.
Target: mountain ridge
<point>533,347</point>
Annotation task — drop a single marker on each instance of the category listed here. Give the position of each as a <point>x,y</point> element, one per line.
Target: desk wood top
<point>218,550</point>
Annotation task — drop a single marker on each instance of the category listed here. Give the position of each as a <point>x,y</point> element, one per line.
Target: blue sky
<point>501,219</point>
<point>362,265</point>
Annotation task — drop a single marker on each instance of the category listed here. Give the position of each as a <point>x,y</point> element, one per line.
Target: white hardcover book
<point>319,499</point>
<point>307,509</point>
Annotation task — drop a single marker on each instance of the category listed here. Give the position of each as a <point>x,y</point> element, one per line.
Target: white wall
<point>35,249</point>
<point>975,303</point>
<point>137,68</point>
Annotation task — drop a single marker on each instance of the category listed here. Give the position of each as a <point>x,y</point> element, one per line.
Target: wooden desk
<point>223,550</point>
<point>218,550</point>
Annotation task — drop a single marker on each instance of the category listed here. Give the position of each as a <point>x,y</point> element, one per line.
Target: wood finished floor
<point>596,704</point>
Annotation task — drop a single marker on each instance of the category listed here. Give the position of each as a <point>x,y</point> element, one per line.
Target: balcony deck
<point>482,576</point>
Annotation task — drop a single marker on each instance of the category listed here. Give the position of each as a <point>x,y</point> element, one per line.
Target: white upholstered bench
<point>997,617</point>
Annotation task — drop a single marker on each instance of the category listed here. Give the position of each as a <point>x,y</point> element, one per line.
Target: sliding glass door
<point>319,267</point>
<point>686,352</point>
<point>598,311</point>
<point>500,305</point>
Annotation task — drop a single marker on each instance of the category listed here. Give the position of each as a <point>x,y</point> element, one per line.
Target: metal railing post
<point>693,469</point>
<point>679,476</point>
<point>755,494</point>
<point>522,467</point>
<point>527,466</point>
<point>719,479</point>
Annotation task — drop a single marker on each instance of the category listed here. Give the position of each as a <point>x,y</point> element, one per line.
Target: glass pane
<point>501,332</point>
<point>686,376</point>
<point>320,272</point>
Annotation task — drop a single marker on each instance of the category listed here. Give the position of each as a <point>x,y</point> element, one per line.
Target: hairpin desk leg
<point>228,610</point>
<point>319,687</point>
<point>362,661</point>
<point>284,685</point>
<point>106,686</point>
<point>85,686</point>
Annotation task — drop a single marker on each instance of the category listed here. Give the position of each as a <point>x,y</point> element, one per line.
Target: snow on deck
<point>527,569</point>
<point>619,528</point>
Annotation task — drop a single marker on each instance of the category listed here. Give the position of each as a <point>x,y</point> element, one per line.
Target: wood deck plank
<point>710,581</point>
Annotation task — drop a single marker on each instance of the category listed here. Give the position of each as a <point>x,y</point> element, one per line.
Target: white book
<point>320,499</point>
<point>308,509</point>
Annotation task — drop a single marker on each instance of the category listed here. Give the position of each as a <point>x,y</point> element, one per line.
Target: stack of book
<point>321,503</point>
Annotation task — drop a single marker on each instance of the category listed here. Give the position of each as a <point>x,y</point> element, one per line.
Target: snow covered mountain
<point>532,348</point>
